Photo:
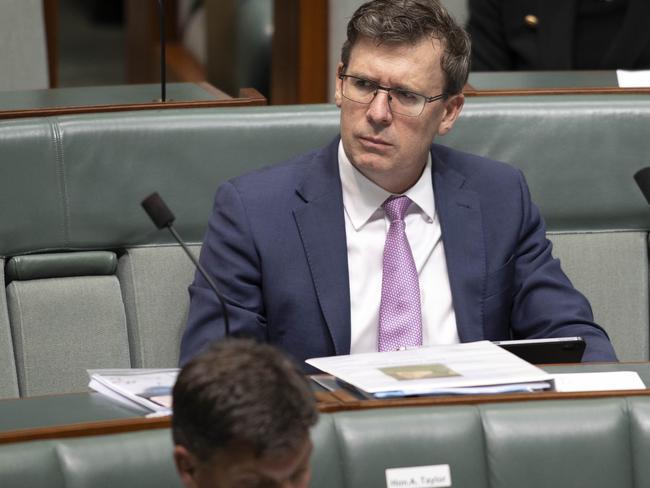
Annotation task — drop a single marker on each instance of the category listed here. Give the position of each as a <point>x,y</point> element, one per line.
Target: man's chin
<point>379,157</point>
<point>372,166</point>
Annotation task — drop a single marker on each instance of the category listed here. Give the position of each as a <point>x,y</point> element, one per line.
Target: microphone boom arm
<point>162,217</point>
<point>207,278</point>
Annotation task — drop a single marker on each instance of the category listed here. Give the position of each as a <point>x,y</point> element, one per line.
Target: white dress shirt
<point>366,226</point>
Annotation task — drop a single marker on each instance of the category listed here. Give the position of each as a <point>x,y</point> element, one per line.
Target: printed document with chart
<point>469,368</point>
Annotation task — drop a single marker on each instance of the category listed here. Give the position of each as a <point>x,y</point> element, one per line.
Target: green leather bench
<point>90,283</point>
<point>600,443</point>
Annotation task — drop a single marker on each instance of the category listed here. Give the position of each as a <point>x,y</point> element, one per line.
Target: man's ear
<point>453,107</point>
<point>186,465</point>
<point>338,94</point>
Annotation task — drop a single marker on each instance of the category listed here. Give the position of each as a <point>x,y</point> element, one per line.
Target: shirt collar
<point>362,198</point>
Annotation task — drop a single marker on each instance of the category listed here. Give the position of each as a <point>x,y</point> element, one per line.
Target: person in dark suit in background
<point>242,412</point>
<point>381,240</point>
<point>510,35</point>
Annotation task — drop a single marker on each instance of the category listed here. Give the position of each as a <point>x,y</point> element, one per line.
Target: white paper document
<point>606,381</point>
<point>633,79</point>
<point>148,388</point>
<point>475,367</point>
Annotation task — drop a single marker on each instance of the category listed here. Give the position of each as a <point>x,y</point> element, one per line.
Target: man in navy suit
<point>312,257</point>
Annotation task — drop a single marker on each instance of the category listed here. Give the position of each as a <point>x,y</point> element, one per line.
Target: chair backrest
<point>141,459</point>
<point>154,286</point>
<point>418,437</point>
<point>595,443</point>
<point>66,315</point>
<point>611,269</point>
<point>23,58</point>
<point>8,379</point>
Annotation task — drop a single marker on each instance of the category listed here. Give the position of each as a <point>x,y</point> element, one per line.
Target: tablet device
<point>547,351</point>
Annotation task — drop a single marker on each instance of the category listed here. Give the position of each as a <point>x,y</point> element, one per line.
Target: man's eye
<point>364,84</point>
<point>405,96</point>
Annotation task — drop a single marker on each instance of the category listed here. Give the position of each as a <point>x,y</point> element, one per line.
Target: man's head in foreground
<point>242,415</point>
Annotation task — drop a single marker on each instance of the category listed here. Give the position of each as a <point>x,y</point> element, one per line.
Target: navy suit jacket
<point>276,247</point>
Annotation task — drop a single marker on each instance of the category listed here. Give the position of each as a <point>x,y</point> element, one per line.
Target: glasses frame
<point>388,91</point>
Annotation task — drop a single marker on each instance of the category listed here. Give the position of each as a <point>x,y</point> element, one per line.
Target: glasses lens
<point>401,101</point>
<point>406,103</point>
<point>359,90</point>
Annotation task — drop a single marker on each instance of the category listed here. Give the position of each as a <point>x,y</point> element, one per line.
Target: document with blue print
<point>468,368</point>
<point>148,388</point>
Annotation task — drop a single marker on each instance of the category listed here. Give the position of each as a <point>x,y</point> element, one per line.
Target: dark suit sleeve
<point>546,304</point>
<point>230,257</point>
<point>490,51</point>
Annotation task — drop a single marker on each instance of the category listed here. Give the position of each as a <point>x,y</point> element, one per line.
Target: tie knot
<point>396,207</point>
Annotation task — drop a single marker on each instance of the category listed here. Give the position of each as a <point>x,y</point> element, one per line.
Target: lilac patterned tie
<point>400,315</point>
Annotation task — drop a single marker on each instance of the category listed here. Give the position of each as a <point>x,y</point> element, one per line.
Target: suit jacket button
<point>531,20</point>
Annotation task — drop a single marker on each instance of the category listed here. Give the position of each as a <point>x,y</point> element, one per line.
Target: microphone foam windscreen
<point>157,210</point>
<point>642,178</point>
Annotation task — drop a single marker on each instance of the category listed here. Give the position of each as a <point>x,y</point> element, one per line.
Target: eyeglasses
<point>401,101</point>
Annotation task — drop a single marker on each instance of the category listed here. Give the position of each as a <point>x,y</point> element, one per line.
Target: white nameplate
<point>633,79</point>
<point>437,476</point>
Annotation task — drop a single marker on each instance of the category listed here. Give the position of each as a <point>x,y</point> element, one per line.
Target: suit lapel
<point>321,225</point>
<point>460,220</point>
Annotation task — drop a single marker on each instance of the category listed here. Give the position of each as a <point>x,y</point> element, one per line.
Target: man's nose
<point>379,109</point>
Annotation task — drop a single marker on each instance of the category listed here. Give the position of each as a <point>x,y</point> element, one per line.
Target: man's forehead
<point>397,62</point>
<point>246,453</point>
<point>365,49</point>
<point>428,39</point>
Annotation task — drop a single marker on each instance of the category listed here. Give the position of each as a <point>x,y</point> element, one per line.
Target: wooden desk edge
<point>85,429</point>
<point>249,97</point>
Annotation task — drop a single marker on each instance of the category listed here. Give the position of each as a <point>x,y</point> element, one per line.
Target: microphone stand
<point>163,57</point>
<point>161,216</point>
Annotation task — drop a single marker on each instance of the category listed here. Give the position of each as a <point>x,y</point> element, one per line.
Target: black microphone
<point>163,217</point>
<point>642,178</point>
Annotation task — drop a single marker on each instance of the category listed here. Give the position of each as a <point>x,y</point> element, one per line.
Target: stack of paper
<point>148,388</point>
<point>469,368</point>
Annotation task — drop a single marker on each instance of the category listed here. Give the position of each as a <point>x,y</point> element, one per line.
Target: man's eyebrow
<point>405,88</point>
<point>361,75</point>
<point>392,87</point>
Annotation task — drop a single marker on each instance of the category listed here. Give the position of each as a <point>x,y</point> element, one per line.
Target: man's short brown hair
<point>240,391</point>
<point>409,21</point>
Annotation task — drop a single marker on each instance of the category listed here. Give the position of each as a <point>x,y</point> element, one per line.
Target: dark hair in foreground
<point>409,21</point>
<point>244,392</point>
